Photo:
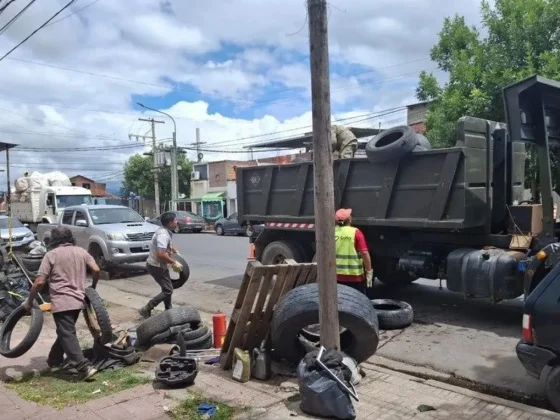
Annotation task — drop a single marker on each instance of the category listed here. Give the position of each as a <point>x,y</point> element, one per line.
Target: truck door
<point>50,208</point>
<point>80,229</point>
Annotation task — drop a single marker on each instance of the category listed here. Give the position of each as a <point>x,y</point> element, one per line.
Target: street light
<point>174,174</point>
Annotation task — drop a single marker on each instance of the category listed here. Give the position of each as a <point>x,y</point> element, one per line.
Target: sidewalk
<point>384,394</point>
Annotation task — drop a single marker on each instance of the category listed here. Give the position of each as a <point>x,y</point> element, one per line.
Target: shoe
<point>89,373</point>
<point>55,368</point>
<point>145,312</point>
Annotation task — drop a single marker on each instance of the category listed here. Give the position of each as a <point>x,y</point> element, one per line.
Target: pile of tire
<point>395,143</point>
<point>164,327</point>
<point>299,308</point>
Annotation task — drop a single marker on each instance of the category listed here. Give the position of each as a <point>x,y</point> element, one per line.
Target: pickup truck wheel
<point>279,251</point>
<point>391,144</point>
<point>97,253</point>
<point>553,387</point>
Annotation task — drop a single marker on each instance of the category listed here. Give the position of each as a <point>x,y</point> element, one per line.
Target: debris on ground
<point>423,408</point>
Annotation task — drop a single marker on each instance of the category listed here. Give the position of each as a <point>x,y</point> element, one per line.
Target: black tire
<point>387,272</point>
<point>31,263</point>
<point>184,274</point>
<point>97,253</point>
<point>279,251</point>
<point>299,308</point>
<point>30,338</point>
<point>220,230</point>
<point>552,387</point>
<point>393,314</point>
<point>391,144</point>
<point>200,343</point>
<point>186,330</point>
<point>423,144</point>
<point>161,322</point>
<point>96,308</point>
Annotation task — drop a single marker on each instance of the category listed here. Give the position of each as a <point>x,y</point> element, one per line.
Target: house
<point>416,116</point>
<point>97,189</point>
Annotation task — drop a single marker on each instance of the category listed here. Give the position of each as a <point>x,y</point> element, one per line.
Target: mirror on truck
<point>51,203</point>
<point>81,223</point>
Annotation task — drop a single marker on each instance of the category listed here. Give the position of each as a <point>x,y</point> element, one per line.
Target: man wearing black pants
<point>160,256</point>
<point>65,265</point>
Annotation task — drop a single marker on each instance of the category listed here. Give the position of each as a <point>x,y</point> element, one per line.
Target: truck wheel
<point>388,274</point>
<point>393,314</point>
<point>553,387</point>
<point>299,308</point>
<point>97,253</point>
<point>391,144</point>
<point>279,251</point>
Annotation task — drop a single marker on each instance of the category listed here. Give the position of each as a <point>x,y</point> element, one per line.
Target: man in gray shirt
<point>158,260</point>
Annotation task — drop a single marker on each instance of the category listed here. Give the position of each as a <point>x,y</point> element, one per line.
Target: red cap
<point>342,214</point>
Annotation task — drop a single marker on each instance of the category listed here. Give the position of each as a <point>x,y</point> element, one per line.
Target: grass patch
<point>187,410</point>
<point>60,390</point>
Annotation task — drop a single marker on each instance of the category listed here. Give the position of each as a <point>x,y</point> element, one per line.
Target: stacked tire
<point>395,143</point>
<point>164,327</point>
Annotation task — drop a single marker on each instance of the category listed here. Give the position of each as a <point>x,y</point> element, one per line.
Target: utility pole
<point>323,173</point>
<point>154,150</point>
<point>197,144</point>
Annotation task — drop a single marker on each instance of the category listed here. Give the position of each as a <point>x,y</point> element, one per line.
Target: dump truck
<point>456,213</point>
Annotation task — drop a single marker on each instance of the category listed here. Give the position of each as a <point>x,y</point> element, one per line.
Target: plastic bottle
<point>241,365</point>
<point>261,366</point>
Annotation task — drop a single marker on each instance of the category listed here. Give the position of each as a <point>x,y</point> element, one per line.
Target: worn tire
<point>161,322</point>
<point>30,338</point>
<point>391,144</point>
<point>186,331</point>
<point>393,314</point>
<point>299,308</point>
<point>279,251</point>
<point>96,307</point>
<point>423,144</point>
<point>552,387</point>
<point>200,343</point>
<point>183,275</point>
<point>31,264</point>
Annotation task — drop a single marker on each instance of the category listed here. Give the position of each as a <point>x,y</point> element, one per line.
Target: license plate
<point>146,247</point>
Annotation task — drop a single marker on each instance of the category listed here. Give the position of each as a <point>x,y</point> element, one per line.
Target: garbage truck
<point>456,213</point>
<point>41,198</point>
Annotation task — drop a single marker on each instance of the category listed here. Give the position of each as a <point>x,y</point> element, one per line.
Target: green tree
<point>139,178</point>
<point>521,39</point>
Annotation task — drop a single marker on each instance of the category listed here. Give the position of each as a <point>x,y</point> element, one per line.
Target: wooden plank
<point>251,265</point>
<point>384,200</point>
<point>313,275</point>
<point>238,328</point>
<point>446,178</point>
<point>252,339</point>
<point>303,275</point>
<point>291,277</point>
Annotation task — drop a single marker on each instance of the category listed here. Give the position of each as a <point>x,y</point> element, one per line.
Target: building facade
<point>97,189</point>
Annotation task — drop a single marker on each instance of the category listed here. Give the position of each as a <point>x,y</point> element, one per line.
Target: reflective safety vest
<point>348,260</point>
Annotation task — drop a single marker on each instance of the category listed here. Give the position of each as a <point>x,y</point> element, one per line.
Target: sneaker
<point>145,312</point>
<point>89,373</point>
<point>55,368</point>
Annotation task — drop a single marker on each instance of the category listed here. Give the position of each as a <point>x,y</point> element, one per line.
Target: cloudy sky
<point>238,70</point>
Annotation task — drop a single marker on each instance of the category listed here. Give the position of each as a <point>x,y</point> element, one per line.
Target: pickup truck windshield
<point>110,216</point>
<point>63,201</point>
<point>4,223</point>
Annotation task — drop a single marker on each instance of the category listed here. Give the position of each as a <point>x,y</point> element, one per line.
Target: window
<point>110,216</point>
<point>4,223</point>
<point>232,216</point>
<point>86,185</point>
<point>80,216</point>
<point>67,217</point>
<point>63,201</point>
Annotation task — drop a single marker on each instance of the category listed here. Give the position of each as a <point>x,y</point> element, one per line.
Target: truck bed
<point>454,188</point>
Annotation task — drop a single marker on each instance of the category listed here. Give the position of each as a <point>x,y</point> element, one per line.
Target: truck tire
<point>97,253</point>
<point>279,251</point>
<point>299,308</point>
<point>183,275</point>
<point>423,143</point>
<point>391,144</point>
<point>387,273</point>
<point>162,322</point>
<point>393,314</point>
<point>186,330</point>
<point>30,338</point>
<point>552,387</point>
<point>97,317</point>
<point>31,263</point>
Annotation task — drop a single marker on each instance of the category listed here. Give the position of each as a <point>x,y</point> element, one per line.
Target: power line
<point>73,13</point>
<point>16,17</point>
<point>2,8</point>
<point>37,30</point>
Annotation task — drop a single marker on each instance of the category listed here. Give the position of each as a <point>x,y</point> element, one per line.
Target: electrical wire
<point>37,30</point>
<point>16,17</point>
<point>73,13</point>
<point>2,8</point>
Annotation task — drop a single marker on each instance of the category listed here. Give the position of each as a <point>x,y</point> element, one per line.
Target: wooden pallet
<point>262,287</point>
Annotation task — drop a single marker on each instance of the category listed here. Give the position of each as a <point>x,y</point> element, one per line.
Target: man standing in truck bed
<point>352,254</point>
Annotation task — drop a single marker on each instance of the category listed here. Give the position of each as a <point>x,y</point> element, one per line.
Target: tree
<point>522,39</point>
<point>139,177</point>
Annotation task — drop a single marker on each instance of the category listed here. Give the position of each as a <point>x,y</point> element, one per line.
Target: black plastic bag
<point>320,394</point>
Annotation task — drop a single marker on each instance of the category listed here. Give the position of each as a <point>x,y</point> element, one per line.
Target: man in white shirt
<point>158,260</point>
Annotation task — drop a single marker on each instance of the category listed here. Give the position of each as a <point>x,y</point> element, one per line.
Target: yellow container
<point>241,365</point>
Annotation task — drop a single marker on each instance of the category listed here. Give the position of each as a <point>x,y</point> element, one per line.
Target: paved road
<point>473,340</point>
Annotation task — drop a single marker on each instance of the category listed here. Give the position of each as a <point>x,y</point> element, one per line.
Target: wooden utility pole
<point>323,172</point>
<point>156,167</point>
<point>197,144</point>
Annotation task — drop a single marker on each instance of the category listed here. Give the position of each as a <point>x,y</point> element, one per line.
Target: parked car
<point>21,234</point>
<point>539,350</point>
<point>230,226</point>
<point>111,234</point>
<point>186,222</point>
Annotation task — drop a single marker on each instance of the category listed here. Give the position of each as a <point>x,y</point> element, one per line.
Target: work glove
<point>177,267</point>
<point>369,278</point>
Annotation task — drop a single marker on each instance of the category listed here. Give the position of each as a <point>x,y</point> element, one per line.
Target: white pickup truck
<point>111,234</point>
